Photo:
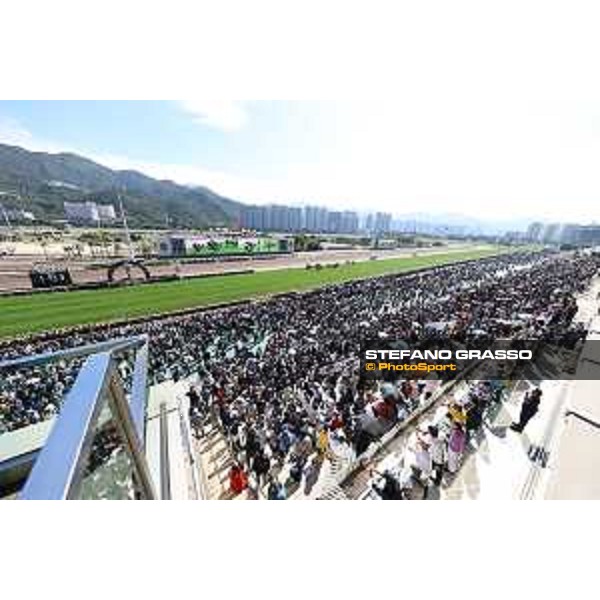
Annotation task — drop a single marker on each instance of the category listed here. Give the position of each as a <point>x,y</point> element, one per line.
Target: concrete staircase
<point>215,461</point>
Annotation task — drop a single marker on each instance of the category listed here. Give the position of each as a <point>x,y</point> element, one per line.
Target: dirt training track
<point>14,270</point>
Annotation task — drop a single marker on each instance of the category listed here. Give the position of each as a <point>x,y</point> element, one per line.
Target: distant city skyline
<point>488,158</point>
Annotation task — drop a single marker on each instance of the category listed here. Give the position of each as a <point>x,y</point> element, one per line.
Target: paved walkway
<point>498,464</point>
<point>574,471</point>
<point>502,464</point>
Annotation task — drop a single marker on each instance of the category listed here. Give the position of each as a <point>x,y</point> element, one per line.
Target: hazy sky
<point>506,137</point>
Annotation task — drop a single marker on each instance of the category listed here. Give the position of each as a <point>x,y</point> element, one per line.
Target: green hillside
<point>42,182</point>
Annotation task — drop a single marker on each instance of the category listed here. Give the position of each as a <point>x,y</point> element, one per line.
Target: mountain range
<point>41,182</point>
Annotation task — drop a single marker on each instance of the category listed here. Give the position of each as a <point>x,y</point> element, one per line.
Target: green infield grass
<point>41,312</point>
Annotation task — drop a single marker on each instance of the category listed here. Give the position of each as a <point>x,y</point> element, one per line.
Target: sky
<point>491,144</point>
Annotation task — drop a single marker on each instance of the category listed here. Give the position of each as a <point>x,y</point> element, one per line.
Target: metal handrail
<point>78,352</point>
<point>573,413</point>
<point>165,471</point>
<point>139,393</point>
<point>200,489</point>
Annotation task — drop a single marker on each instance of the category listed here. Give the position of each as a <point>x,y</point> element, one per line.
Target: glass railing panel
<point>109,471</point>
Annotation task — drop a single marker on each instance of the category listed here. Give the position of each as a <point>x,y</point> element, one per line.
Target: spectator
<point>529,409</point>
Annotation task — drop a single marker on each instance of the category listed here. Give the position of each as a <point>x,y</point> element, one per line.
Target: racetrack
<point>41,312</point>
<point>14,269</point>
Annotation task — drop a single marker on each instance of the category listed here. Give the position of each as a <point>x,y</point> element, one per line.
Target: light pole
<point>5,215</point>
<point>127,235</point>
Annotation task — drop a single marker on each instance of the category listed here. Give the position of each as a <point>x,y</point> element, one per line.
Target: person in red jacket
<point>386,409</point>
<point>238,480</point>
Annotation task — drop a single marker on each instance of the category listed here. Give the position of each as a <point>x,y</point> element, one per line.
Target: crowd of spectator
<point>435,449</point>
